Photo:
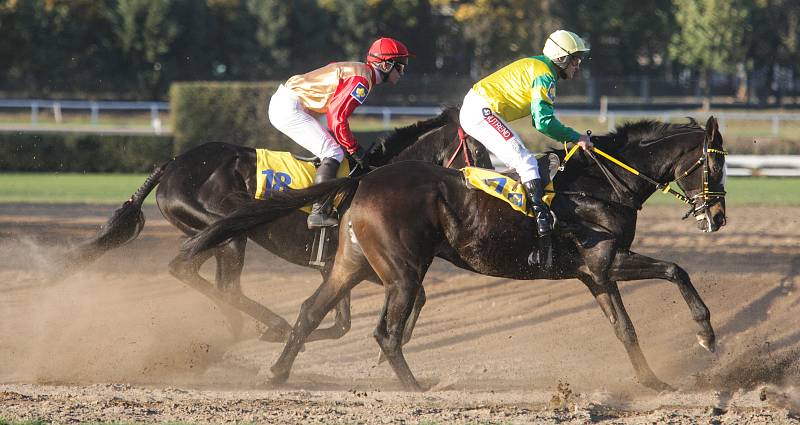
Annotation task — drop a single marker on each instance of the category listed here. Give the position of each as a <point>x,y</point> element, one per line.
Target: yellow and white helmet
<point>564,43</point>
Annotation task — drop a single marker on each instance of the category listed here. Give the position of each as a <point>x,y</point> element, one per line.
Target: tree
<point>774,50</point>
<point>55,45</point>
<point>627,37</point>
<point>356,24</point>
<point>712,34</point>
<point>145,34</point>
<point>502,30</point>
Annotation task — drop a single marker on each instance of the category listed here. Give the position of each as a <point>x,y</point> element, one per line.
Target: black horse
<point>402,216</point>
<point>208,182</point>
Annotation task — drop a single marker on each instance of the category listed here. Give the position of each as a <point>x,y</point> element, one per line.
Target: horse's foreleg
<point>626,333</point>
<point>633,266</point>
<point>187,272</point>
<point>607,295</point>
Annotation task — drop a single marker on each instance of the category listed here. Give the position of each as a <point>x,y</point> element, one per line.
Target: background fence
<point>738,165</point>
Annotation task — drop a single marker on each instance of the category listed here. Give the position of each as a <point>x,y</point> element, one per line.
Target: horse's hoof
<point>657,385</point>
<point>707,341</point>
<point>381,358</point>
<point>415,387</point>
<point>276,376</point>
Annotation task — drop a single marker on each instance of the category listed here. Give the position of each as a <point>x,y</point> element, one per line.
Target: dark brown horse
<point>208,182</point>
<point>402,216</point>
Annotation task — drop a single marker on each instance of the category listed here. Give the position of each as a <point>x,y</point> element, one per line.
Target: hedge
<point>232,112</point>
<point>75,152</point>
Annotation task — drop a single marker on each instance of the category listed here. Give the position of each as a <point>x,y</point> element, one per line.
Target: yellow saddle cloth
<point>503,187</point>
<point>275,171</point>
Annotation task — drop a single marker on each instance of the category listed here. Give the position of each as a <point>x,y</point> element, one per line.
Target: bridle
<point>700,202</point>
<point>705,198</point>
<point>462,147</point>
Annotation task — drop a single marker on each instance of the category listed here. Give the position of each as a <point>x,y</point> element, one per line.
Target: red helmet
<point>384,49</point>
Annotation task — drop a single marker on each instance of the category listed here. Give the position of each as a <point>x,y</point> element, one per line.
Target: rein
<point>462,147</point>
<point>708,197</point>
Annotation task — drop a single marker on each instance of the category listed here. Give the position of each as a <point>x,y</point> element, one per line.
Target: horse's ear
<point>712,128</point>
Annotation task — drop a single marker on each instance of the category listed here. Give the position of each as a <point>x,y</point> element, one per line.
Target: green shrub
<point>75,152</point>
<point>231,112</point>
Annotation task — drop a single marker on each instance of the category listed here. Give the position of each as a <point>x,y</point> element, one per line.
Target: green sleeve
<point>542,111</point>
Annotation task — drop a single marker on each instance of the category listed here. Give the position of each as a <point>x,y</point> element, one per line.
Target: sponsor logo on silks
<point>360,93</point>
<point>497,124</point>
<point>551,92</point>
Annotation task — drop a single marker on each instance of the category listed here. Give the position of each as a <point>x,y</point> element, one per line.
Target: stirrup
<point>316,221</point>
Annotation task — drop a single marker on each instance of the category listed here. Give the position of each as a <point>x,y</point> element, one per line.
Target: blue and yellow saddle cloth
<point>503,187</point>
<point>275,171</point>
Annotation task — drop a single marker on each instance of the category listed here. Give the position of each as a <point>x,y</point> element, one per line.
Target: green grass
<point>60,188</point>
<point>116,188</point>
<point>749,191</point>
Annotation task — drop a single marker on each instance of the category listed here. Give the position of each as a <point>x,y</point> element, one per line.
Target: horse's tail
<point>258,212</point>
<point>123,227</point>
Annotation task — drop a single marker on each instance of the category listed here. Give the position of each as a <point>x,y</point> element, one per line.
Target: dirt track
<point>125,341</point>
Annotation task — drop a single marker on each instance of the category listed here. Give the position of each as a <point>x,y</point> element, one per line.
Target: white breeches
<point>288,115</point>
<point>480,122</point>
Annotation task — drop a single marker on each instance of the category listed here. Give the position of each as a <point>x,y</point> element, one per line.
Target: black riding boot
<point>543,256</point>
<point>321,212</point>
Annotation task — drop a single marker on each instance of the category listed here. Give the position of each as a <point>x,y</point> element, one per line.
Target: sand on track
<point>123,340</point>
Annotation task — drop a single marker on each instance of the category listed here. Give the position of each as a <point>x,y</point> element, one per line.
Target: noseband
<point>705,198</point>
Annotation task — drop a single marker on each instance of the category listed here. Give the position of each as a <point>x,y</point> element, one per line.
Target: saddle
<point>506,186</point>
<point>276,171</point>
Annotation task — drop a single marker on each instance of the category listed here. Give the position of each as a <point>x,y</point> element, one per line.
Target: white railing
<point>93,106</point>
<point>603,115</point>
<point>763,165</point>
<point>738,165</point>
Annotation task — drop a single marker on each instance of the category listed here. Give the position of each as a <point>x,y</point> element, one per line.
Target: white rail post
<point>155,120</point>
<point>57,112</point>
<point>95,112</point>
<point>387,117</point>
<point>34,113</point>
<point>603,109</point>
<point>776,126</point>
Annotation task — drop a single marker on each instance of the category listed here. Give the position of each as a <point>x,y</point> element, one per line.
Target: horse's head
<point>701,174</point>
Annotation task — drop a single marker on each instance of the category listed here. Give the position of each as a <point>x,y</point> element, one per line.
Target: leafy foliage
<point>224,112</point>
<point>137,48</point>
<point>83,153</point>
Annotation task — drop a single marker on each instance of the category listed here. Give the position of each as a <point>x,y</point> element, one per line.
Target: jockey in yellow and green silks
<point>526,87</point>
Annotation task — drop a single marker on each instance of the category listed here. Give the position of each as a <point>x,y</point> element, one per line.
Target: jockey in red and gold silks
<point>526,87</point>
<point>334,90</point>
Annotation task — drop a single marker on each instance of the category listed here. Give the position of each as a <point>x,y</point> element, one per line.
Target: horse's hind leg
<point>341,319</point>
<point>230,261</point>
<point>188,273</point>
<point>633,266</point>
<point>341,322</point>
<point>412,321</point>
<point>606,294</point>
<point>400,297</point>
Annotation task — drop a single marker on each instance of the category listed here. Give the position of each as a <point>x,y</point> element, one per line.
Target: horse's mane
<point>641,132</point>
<point>403,137</point>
